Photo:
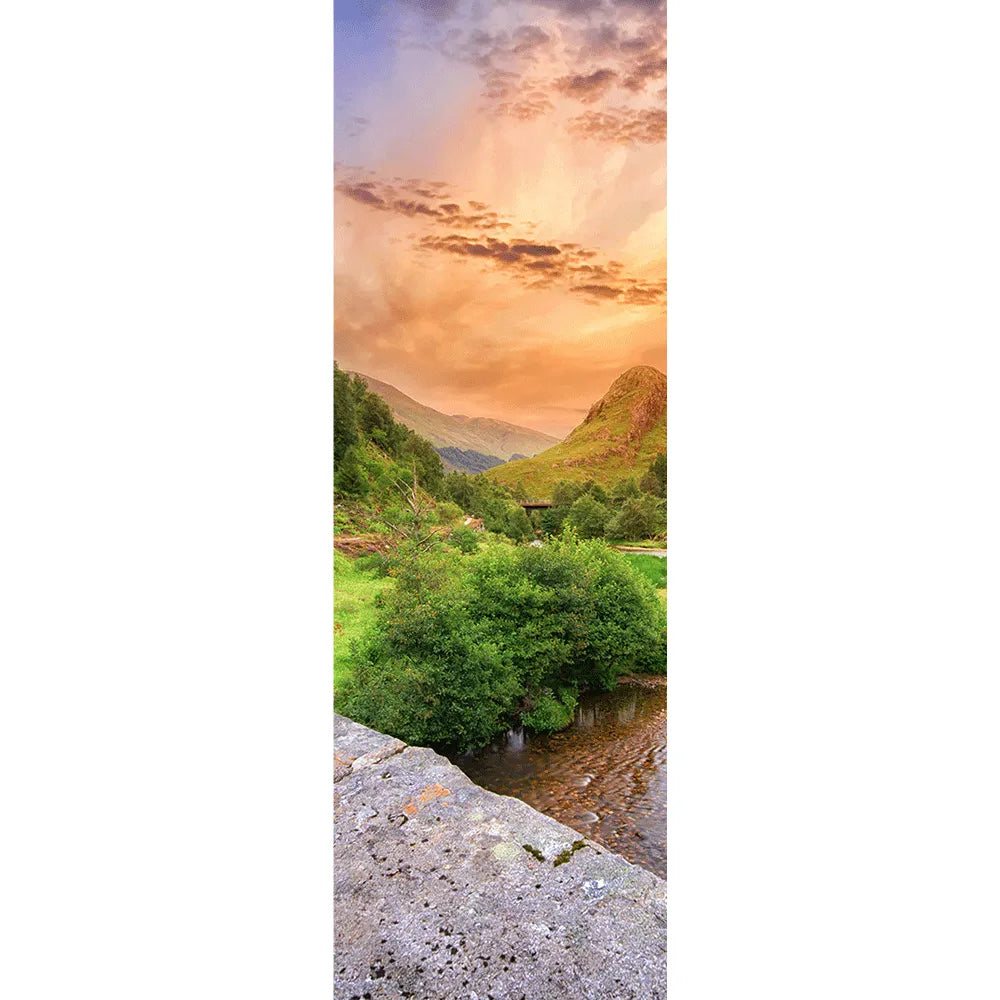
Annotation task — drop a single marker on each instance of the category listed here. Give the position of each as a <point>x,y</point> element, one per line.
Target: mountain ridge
<point>621,434</point>
<point>487,436</point>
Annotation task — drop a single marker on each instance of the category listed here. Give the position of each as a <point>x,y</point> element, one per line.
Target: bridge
<point>535,505</point>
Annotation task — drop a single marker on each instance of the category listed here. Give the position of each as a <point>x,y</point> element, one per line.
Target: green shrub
<point>552,519</point>
<point>638,518</point>
<point>568,612</point>
<point>549,712</point>
<point>457,643</point>
<point>464,539</point>
<point>588,517</point>
<point>426,673</point>
<point>517,525</point>
<point>448,512</point>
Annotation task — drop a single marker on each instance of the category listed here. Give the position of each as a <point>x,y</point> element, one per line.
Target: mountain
<point>465,460</point>
<point>623,432</point>
<point>491,439</point>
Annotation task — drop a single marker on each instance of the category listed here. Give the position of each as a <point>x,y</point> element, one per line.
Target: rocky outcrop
<point>445,891</point>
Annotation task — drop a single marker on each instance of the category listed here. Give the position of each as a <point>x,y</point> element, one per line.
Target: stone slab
<point>446,891</point>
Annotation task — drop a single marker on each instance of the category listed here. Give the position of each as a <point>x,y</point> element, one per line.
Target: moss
<point>534,852</point>
<point>562,858</point>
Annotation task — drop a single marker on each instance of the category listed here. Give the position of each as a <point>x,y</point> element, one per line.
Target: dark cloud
<point>475,234</point>
<point>532,105</point>
<point>622,125</point>
<point>629,293</point>
<point>586,87</point>
<point>360,192</point>
<point>608,44</point>
<point>570,8</point>
<point>598,291</point>
<point>527,38</point>
<point>645,71</point>
<point>486,49</point>
<point>397,197</point>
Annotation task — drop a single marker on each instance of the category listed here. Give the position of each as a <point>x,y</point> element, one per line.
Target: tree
<point>624,490</point>
<point>415,522</point>
<point>588,517</point>
<point>459,487</point>
<point>552,520</point>
<point>564,493</point>
<point>655,479</point>
<point>637,519</point>
<point>517,524</point>
<point>595,490</point>
<point>345,423</point>
<point>349,477</point>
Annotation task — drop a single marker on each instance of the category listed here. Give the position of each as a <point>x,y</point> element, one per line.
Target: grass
<point>653,568</point>
<point>589,459</point>
<point>354,593</point>
<point>645,543</point>
<point>591,451</point>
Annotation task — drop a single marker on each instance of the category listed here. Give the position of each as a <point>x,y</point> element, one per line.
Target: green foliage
<point>638,518</point>
<point>372,452</point>
<point>517,524</point>
<point>655,479</point>
<point>464,539</point>
<point>595,490</point>
<point>460,489</point>
<point>624,490</point>
<point>345,425</point>
<point>588,517</point>
<point>349,478</point>
<point>459,642</point>
<point>427,672</point>
<point>552,520</point>
<point>564,493</point>
<point>355,589</point>
<point>448,512</point>
<point>549,712</point>
<point>653,568</point>
<point>569,612</point>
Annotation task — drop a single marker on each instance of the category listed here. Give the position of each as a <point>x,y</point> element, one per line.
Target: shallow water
<point>605,775</point>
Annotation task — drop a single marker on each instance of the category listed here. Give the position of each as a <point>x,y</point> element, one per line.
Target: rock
<point>445,890</point>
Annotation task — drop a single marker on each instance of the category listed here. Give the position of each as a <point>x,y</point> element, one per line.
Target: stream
<point>604,775</point>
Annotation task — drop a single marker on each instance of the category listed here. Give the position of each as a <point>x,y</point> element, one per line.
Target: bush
<point>426,673</point>
<point>464,539</point>
<point>569,612</point>
<point>517,525</point>
<point>459,642</point>
<point>550,713</point>
<point>588,517</point>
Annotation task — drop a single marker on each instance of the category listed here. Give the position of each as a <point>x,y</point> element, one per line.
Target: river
<point>605,775</point>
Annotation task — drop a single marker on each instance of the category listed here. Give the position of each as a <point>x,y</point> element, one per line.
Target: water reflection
<point>604,776</point>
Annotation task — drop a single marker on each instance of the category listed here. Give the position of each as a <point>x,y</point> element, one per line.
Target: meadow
<point>653,568</point>
<point>354,593</point>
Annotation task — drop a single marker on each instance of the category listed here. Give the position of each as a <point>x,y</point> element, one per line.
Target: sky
<point>500,200</point>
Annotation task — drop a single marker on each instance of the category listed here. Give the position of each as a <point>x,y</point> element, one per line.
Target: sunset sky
<point>500,206</point>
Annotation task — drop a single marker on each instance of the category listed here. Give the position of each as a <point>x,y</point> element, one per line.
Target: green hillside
<point>623,432</point>
<point>479,434</point>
